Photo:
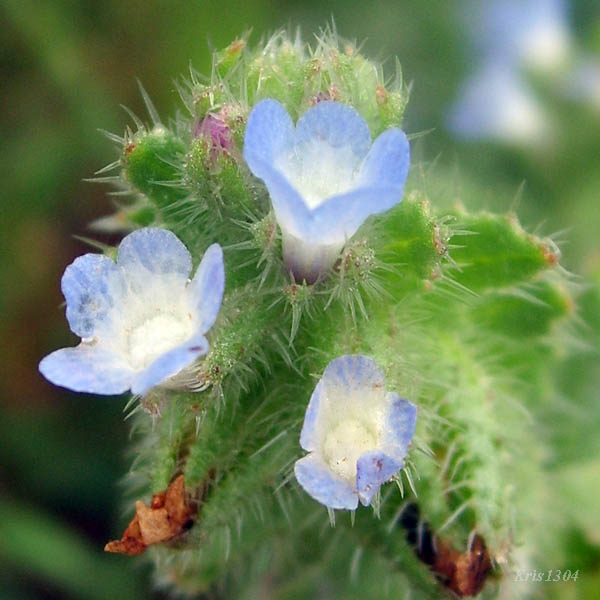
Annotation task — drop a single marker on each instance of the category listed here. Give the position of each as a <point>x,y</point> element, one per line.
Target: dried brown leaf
<point>168,515</point>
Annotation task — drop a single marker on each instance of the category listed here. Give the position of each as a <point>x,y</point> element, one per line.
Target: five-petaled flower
<point>324,177</point>
<point>141,319</point>
<point>357,434</point>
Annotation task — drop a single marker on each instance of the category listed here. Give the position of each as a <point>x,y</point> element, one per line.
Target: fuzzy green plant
<point>468,315</point>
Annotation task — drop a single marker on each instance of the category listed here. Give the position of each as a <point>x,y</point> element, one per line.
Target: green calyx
<point>151,166</point>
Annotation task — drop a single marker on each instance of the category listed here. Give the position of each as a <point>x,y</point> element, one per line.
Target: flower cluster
<point>141,321</point>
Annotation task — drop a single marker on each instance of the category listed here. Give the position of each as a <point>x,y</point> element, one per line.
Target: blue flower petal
<point>373,469</point>
<point>92,286</point>
<point>400,426</point>
<point>339,217</point>
<point>318,481</point>
<point>269,133</point>
<point>335,123</point>
<point>496,102</point>
<point>308,434</point>
<point>290,209</point>
<point>154,251</point>
<point>352,374</point>
<point>505,29</point>
<point>388,161</point>
<point>207,287</point>
<point>169,364</point>
<point>87,368</point>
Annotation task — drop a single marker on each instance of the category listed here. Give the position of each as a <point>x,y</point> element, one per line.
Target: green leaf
<point>523,312</point>
<point>493,251</point>
<point>410,242</point>
<point>143,216</point>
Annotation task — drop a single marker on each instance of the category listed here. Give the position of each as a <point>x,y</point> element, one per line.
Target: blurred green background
<point>66,68</point>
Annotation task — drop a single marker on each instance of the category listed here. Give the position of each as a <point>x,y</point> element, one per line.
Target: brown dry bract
<point>464,573</point>
<point>167,516</point>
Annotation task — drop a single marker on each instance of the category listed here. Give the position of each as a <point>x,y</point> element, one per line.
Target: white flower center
<point>343,446</point>
<point>155,336</point>
<point>546,47</point>
<point>318,171</point>
<point>520,118</point>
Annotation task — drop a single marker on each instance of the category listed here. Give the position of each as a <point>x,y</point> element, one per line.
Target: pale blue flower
<point>324,177</point>
<point>525,33</point>
<point>141,320</point>
<point>512,37</point>
<point>497,103</point>
<point>357,434</point>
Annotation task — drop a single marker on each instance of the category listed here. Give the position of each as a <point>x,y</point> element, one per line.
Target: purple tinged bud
<point>214,129</point>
